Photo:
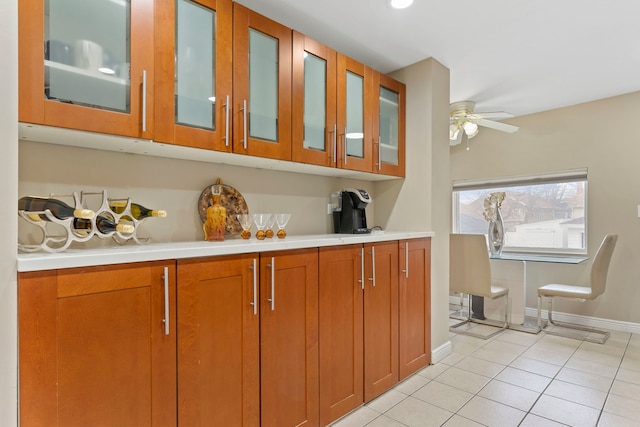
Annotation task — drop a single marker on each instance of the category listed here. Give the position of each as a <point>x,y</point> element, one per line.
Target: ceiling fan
<point>464,122</point>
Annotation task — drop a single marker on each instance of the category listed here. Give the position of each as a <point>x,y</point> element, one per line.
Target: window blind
<point>516,181</point>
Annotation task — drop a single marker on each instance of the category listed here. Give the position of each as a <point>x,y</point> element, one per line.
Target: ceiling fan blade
<point>497,125</point>
<point>496,115</point>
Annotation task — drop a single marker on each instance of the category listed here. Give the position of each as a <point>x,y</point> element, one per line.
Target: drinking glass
<point>245,223</point>
<point>261,220</point>
<point>282,219</point>
<point>269,229</point>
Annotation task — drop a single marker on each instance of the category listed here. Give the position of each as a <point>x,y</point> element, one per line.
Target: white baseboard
<point>610,325</point>
<point>441,352</point>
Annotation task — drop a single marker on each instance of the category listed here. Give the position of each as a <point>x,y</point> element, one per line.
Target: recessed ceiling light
<point>401,4</point>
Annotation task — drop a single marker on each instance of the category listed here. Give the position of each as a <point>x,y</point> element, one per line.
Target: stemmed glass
<point>282,220</point>
<point>245,223</point>
<point>269,229</point>
<point>261,220</point>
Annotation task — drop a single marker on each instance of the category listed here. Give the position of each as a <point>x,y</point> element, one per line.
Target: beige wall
<point>8,195</point>
<point>599,136</point>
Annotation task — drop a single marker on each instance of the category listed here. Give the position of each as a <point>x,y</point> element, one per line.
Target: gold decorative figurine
<point>214,226</point>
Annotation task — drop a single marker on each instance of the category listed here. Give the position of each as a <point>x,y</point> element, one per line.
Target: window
<point>540,214</point>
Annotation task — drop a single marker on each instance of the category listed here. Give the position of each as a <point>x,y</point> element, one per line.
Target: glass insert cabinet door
<point>313,128</point>
<point>262,85</point>
<point>87,64</point>
<point>87,57</point>
<point>354,107</point>
<point>193,81</point>
<point>389,125</point>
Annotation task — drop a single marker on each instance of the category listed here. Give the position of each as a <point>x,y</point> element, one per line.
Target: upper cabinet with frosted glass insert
<point>193,73</point>
<point>388,126</point>
<point>261,85</point>
<point>355,151</point>
<point>313,114</point>
<point>87,65</point>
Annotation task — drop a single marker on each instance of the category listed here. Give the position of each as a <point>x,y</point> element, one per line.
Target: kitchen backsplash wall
<point>176,185</point>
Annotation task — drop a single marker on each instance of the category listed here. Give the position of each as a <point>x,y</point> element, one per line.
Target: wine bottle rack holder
<point>64,233</point>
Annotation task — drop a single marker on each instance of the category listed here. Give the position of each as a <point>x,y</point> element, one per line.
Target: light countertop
<point>71,258</point>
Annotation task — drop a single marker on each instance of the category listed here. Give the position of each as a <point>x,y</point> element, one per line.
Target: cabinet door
<point>193,73</point>
<point>341,362</point>
<point>289,338</point>
<point>354,118</point>
<point>95,72</point>
<point>218,347</point>
<point>313,115</point>
<point>95,348</point>
<point>414,305</point>
<point>261,85</point>
<point>380,318</point>
<point>388,126</point>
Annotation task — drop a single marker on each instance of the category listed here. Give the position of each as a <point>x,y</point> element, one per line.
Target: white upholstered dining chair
<point>596,287</point>
<point>470,273</point>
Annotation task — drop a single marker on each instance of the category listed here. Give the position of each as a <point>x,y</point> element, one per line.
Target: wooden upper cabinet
<point>193,73</point>
<point>261,85</point>
<point>95,73</point>
<point>96,346</point>
<point>388,125</point>
<point>354,96</point>
<point>313,114</point>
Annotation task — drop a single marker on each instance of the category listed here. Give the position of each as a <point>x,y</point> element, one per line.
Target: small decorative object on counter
<point>62,224</point>
<point>231,200</point>
<point>282,220</point>
<point>261,220</point>
<point>492,204</point>
<point>269,230</point>
<point>245,223</point>
<point>215,225</point>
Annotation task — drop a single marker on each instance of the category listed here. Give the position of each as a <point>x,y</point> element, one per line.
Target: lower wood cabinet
<point>248,340</point>
<point>414,320</point>
<point>284,338</point>
<point>97,347</point>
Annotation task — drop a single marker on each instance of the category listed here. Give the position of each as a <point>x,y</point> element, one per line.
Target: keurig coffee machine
<point>349,216</point>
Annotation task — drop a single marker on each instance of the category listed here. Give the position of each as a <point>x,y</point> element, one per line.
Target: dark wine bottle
<point>103,224</point>
<point>58,208</point>
<point>138,211</point>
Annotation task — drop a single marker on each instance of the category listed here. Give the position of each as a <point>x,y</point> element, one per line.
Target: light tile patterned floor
<point>517,379</point>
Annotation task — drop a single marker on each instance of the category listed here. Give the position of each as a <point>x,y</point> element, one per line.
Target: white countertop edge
<point>72,258</point>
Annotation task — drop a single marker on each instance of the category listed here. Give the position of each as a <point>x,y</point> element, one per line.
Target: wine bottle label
<point>35,217</point>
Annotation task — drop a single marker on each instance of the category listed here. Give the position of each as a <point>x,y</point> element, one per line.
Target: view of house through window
<point>541,214</point>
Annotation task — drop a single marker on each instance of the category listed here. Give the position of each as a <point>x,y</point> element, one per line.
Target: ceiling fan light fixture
<point>470,128</point>
<point>453,131</point>
<point>400,4</point>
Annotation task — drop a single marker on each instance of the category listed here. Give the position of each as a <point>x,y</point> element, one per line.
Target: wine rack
<point>58,234</point>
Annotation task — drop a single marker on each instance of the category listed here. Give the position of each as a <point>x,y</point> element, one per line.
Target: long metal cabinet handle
<point>335,144</point>
<point>254,267</point>
<point>373,265</point>
<point>165,276</point>
<point>272,300</point>
<point>345,146</point>
<point>379,154</point>
<point>226,122</point>
<point>244,123</point>
<point>361,255</point>
<point>406,260</point>
<point>144,100</point>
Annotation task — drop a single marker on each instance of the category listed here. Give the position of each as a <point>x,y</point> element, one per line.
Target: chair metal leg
<point>566,334</point>
<point>469,319</point>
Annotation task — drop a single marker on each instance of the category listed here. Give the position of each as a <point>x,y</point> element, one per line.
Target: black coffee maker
<point>349,216</point>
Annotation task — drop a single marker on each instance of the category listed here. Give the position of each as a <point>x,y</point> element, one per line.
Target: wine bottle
<point>103,224</point>
<point>138,211</point>
<point>58,208</point>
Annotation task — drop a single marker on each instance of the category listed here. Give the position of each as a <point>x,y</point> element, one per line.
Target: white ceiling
<point>506,55</point>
